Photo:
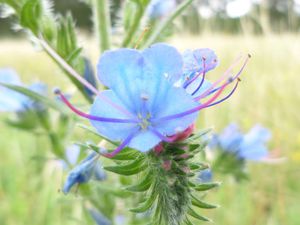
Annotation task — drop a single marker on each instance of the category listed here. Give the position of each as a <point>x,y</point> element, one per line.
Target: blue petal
<point>98,217</point>
<point>81,173</point>
<point>121,70</point>
<point>113,131</point>
<point>10,101</point>
<point>89,75</point>
<point>99,173</point>
<point>231,138</point>
<point>159,8</point>
<point>255,152</point>
<point>164,60</point>
<point>29,103</point>
<point>171,100</point>
<point>144,141</point>
<point>193,61</point>
<point>72,154</point>
<point>205,176</point>
<point>193,87</point>
<point>257,134</point>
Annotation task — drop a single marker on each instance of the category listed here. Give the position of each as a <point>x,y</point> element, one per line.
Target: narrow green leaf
<point>30,15</point>
<point>206,186</point>
<point>36,96</point>
<point>192,213</point>
<point>198,166</point>
<point>128,154</point>
<point>188,222</point>
<point>143,207</point>
<point>144,185</point>
<point>201,204</point>
<point>73,55</point>
<point>128,169</point>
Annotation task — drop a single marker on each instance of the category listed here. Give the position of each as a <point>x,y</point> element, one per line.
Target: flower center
<point>144,121</point>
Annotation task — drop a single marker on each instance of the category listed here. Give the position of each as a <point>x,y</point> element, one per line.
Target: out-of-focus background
<point>268,94</point>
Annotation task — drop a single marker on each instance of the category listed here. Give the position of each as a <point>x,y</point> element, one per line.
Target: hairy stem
<point>102,23</point>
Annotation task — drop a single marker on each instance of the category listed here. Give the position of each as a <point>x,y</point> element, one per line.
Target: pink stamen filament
<point>92,117</point>
<point>225,98</point>
<point>196,109</point>
<point>196,76</point>
<point>202,81</point>
<point>122,145</point>
<point>225,76</point>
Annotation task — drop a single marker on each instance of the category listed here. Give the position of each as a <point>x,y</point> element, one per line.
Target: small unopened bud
<point>56,91</point>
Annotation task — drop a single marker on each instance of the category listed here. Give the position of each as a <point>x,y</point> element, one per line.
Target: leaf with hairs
<point>201,204</point>
<point>143,185</point>
<point>192,213</point>
<point>128,169</point>
<point>37,97</point>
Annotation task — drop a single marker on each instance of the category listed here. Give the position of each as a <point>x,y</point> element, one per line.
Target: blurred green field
<point>268,94</point>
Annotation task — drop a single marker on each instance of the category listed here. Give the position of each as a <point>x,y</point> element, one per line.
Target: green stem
<point>156,33</point>
<point>134,28</point>
<point>102,23</point>
<point>57,146</point>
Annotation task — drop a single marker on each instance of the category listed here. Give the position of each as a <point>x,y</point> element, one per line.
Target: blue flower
<point>205,176</point>
<point>144,104</point>
<point>84,171</point>
<point>98,217</point>
<point>158,8</point>
<point>250,146</point>
<point>89,76</point>
<point>11,101</point>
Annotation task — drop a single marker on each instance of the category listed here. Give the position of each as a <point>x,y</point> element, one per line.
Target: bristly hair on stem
<point>168,186</point>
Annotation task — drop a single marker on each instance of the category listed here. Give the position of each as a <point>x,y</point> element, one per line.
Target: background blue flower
<point>12,101</point>
<point>160,8</point>
<point>249,146</point>
<point>87,169</point>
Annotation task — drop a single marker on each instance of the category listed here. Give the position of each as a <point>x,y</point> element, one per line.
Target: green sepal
<point>206,186</point>
<point>143,185</point>
<point>128,154</point>
<point>36,96</point>
<point>143,207</point>
<point>201,204</point>
<point>128,169</point>
<point>192,213</point>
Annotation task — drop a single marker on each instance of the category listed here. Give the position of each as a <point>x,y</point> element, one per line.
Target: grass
<point>268,94</point>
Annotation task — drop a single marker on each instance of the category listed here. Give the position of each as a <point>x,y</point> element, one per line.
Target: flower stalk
<point>102,23</point>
